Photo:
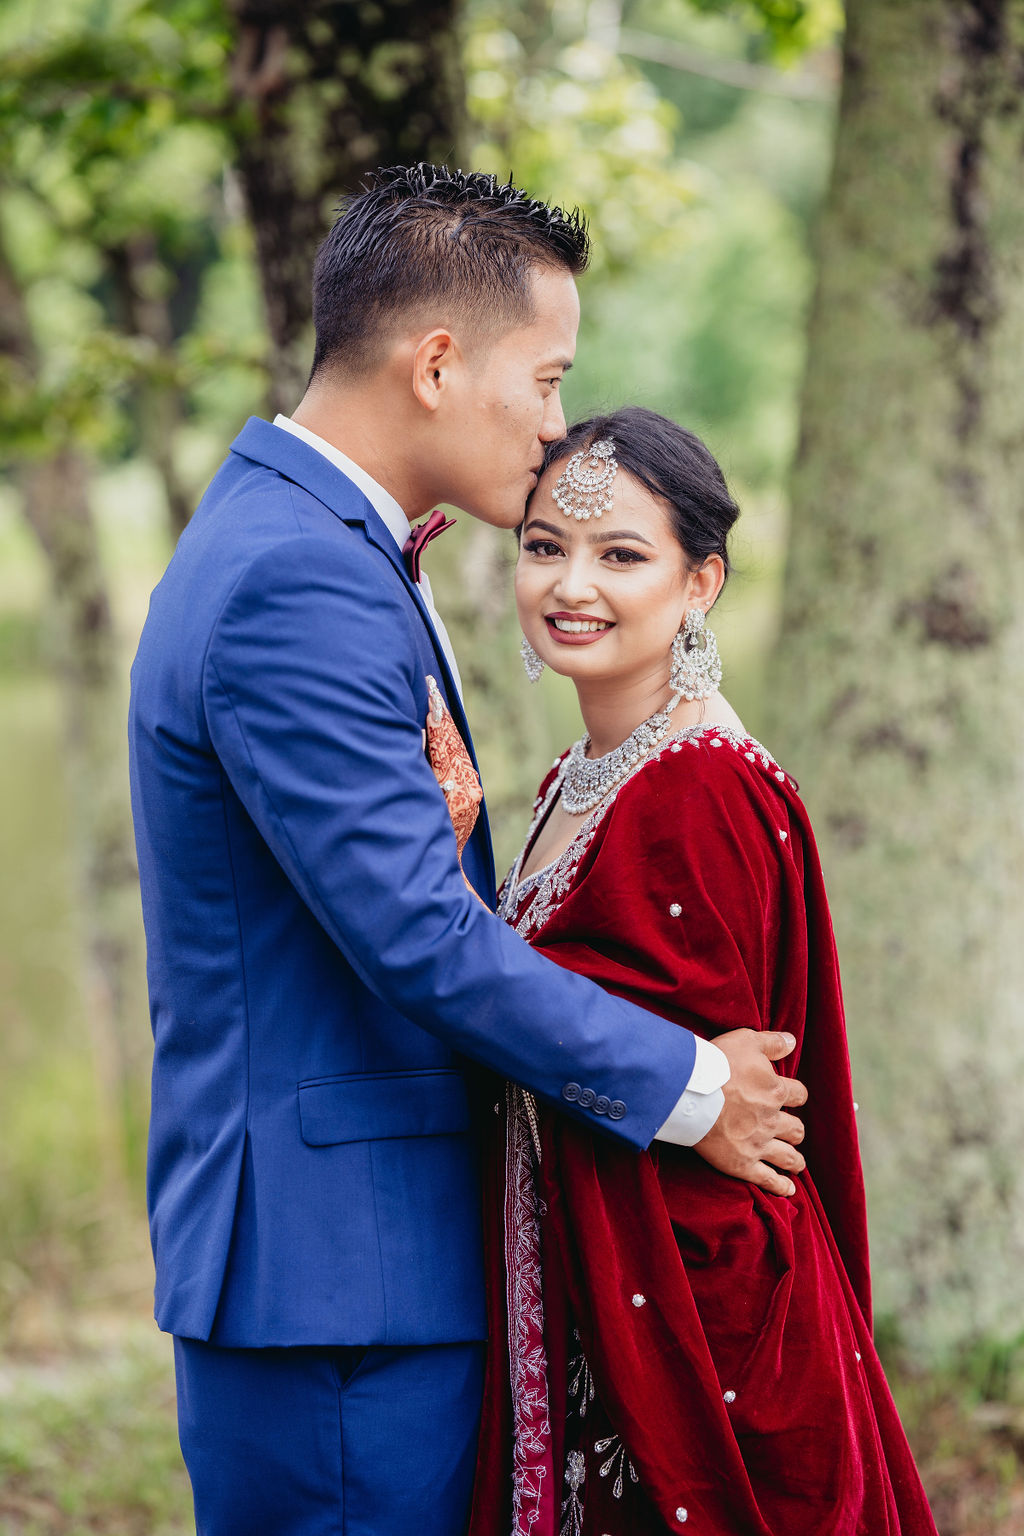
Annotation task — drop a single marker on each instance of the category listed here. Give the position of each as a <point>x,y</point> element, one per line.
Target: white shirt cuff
<point>701,1104</point>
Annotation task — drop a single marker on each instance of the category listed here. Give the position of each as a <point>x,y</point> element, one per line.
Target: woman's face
<point>602,599</point>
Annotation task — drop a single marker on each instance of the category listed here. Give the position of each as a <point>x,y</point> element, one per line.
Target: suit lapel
<point>378,535</point>
<point>299,462</point>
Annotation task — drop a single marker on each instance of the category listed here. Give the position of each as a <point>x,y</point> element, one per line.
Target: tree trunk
<point>139,283</point>
<point>54,491</point>
<point>898,683</point>
<point>333,89</point>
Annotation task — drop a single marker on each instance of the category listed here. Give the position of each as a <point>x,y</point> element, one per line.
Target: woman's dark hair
<point>419,235</point>
<point>671,463</point>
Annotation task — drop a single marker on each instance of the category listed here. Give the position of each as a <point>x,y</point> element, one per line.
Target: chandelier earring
<point>696,667</point>
<point>532,663</point>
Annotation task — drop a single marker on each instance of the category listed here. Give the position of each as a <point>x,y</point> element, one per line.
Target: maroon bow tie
<point>419,538</point>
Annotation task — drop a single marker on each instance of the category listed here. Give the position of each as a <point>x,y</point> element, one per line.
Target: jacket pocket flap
<point>372,1107</point>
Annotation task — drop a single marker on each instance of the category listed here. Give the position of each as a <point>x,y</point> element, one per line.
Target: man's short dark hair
<point>456,245</point>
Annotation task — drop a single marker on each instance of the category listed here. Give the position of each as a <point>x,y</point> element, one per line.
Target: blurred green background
<point>698,139</point>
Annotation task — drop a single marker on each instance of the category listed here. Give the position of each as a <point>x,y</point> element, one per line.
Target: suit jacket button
<point>586,1098</point>
<point>602,1104</point>
<point>616,1109</point>
<point>571,1092</point>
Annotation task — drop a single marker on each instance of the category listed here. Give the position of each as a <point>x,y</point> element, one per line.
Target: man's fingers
<point>776,1043</point>
<point>768,1179</point>
<point>790,1129</point>
<point>796,1093</point>
<point>782,1155</point>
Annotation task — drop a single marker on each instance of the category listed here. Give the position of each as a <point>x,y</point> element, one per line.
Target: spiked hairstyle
<point>451,245</point>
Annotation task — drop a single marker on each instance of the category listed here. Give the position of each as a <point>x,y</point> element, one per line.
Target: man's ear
<point>431,363</point>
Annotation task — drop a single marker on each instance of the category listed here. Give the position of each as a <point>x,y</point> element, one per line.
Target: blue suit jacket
<point>317,968</point>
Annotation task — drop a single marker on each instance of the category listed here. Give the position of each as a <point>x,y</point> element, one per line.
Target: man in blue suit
<point>319,973</point>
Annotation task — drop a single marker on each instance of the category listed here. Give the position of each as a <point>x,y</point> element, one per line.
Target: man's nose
<point>553,425</point>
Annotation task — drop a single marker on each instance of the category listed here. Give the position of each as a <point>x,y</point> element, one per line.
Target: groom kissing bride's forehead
<point>446,315</point>
<point>322,969</point>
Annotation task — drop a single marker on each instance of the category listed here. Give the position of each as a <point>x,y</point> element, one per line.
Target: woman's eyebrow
<point>595,538</point>
<point>621,533</point>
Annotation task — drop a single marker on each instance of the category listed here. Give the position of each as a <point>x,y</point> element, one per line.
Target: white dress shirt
<point>701,1104</point>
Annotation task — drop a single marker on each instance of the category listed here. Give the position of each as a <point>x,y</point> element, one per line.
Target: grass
<point>970,1452</point>
<point>88,1440</point>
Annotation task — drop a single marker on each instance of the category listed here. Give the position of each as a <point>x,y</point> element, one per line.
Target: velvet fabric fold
<point>726,1332</point>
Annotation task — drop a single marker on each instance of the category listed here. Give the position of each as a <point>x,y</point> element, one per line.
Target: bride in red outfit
<point>674,1350</point>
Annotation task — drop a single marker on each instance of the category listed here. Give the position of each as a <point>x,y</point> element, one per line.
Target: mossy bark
<point>898,688</point>
<point>330,91</point>
<point>54,490</point>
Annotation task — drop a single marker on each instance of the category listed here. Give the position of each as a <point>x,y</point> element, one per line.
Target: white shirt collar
<point>382,501</point>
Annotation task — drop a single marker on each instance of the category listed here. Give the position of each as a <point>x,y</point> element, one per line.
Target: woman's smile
<point>577,582</point>
<point>576,628</point>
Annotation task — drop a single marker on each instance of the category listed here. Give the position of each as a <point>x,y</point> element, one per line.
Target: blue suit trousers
<point>341,1441</point>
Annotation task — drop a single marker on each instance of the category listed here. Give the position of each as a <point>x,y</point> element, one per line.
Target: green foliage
<point>579,127</point>
<point>115,142</point>
<point>787,29</point>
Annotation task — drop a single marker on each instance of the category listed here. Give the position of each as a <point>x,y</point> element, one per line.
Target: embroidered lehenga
<point>673,1349</point>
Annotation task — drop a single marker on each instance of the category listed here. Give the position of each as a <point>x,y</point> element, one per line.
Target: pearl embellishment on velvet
<point>780,775</point>
<point>681,1515</point>
<point>728,1397</point>
<point>641,1301</point>
<point>857,1353</point>
<point>783,834</point>
<point>675,910</point>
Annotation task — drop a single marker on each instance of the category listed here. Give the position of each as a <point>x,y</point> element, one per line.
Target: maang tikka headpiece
<point>584,488</point>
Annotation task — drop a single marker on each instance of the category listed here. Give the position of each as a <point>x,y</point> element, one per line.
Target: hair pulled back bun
<point>672,464</point>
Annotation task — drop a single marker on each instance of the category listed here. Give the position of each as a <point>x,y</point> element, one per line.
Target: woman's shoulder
<point>719,753</point>
<point>704,769</point>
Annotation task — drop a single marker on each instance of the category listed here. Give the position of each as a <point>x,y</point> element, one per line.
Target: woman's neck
<point>612,711</point>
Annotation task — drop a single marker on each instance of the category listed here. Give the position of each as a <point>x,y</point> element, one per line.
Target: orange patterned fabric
<point>453,768</point>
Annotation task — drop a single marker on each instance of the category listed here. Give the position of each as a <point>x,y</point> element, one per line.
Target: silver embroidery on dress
<point>572,1504</point>
<point>551,891</point>
<point>527,1365</point>
<point>618,1462</point>
<point>581,1380</point>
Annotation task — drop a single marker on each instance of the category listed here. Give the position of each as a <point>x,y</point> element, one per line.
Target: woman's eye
<point>541,547</point>
<point>625,557</point>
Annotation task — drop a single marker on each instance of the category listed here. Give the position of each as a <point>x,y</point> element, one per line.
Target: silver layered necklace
<point>587,780</point>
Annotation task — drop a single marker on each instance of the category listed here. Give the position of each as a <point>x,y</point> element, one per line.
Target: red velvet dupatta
<point>727,1331</point>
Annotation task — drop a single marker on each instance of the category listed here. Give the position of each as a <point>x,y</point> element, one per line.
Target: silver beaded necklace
<point>586,780</point>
